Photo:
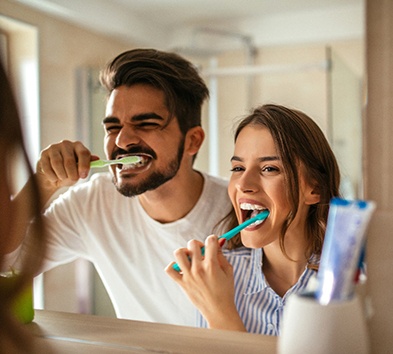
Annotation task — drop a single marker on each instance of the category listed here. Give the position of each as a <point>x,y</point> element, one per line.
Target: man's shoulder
<point>215,180</point>
<point>216,191</point>
<point>98,183</point>
<point>101,177</point>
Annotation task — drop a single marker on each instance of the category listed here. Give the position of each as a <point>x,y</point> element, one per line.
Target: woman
<point>283,163</point>
<point>14,220</point>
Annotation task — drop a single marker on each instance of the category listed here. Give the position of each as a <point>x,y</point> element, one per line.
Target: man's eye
<point>148,125</point>
<point>112,128</point>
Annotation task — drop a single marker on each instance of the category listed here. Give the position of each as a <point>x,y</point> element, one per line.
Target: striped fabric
<point>260,308</point>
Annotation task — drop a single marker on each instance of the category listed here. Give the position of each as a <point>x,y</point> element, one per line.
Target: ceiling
<point>212,24</point>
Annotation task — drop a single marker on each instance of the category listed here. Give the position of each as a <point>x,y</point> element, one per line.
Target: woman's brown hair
<point>300,142</point>
<point>12,147</point>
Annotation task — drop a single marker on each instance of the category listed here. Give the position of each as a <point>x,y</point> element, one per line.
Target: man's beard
<point>156,179</point>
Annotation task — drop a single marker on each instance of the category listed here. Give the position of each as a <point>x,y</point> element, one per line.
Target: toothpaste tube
<point>342,249</point>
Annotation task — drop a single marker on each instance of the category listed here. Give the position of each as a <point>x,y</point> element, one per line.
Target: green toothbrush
<point>127,160</point>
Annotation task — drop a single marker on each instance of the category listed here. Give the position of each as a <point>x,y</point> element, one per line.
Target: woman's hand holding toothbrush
<point>208,282</point>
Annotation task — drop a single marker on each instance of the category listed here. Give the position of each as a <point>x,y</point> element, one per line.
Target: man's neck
<point>175,198</point>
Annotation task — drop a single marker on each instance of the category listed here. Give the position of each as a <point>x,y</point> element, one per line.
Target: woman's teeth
<point>257,222</point>
<point>250,210</point>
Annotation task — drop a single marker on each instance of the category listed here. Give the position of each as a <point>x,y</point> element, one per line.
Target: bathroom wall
<point>62,48</point>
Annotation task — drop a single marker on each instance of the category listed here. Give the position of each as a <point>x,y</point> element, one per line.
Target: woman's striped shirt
<point>260,308</point>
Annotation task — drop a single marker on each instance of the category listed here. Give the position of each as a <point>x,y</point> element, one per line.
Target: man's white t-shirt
<point>128,248</point>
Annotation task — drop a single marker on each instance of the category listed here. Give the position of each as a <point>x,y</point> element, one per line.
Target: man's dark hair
<point>184,89</point>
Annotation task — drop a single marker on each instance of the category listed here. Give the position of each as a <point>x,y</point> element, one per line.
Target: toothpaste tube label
<point>342,248</point>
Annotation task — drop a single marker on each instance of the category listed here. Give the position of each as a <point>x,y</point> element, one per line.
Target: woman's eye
<point>237,169</point>
<point>270,169</point>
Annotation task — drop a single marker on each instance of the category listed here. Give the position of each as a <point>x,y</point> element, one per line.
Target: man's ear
<point>194,140</point>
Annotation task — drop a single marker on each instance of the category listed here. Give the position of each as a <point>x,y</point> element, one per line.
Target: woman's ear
<point>194,140</point>
<point>312,195</point>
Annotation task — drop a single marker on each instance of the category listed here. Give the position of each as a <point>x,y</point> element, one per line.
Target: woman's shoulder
<point>242,259</point>
<point>237,252</point>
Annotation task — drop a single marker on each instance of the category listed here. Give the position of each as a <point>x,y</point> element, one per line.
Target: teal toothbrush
<point>127,160</point>
<point>228,235</point>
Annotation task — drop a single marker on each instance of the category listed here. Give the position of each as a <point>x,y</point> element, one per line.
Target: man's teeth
<point>129,166</point>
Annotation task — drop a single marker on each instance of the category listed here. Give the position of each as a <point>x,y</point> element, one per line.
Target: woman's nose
<point>248,184</point>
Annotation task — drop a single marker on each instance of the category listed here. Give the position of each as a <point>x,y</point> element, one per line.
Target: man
<point>130,232</point>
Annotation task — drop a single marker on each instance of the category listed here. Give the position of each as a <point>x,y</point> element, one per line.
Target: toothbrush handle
<point>98,163</point>
<point>231,233</point>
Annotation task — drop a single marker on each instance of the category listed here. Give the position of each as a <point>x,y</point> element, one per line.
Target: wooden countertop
<point>61,332</point>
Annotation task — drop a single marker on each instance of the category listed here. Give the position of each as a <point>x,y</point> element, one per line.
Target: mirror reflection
<point>316,68</point>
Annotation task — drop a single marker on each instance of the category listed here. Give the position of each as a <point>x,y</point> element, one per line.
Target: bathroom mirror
<point>319,82</point>
<point>304,54</point>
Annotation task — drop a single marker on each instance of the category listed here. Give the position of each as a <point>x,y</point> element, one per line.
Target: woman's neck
<point>282,279</point>
<point>282,272</point>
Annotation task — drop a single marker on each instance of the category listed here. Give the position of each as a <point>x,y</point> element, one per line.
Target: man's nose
<point>126,137</point>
